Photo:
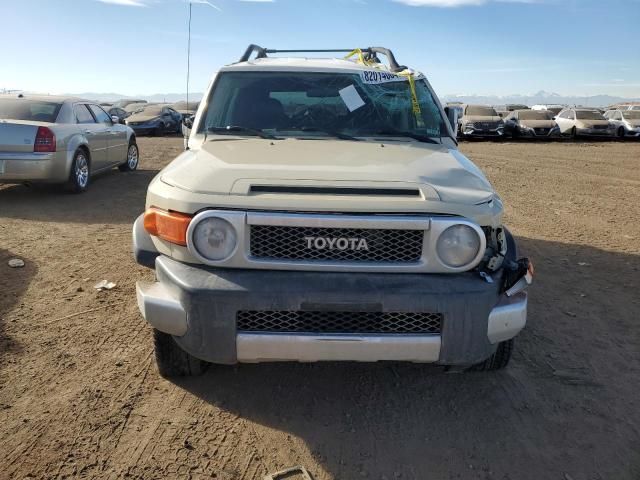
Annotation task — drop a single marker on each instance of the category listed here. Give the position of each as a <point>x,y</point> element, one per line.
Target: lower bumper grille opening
<point>284,321</point>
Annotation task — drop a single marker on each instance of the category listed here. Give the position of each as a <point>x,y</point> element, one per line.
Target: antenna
<point>188,55</point>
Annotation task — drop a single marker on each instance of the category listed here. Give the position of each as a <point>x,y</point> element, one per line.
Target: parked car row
<point>546,121</point>
<point>151,118</point>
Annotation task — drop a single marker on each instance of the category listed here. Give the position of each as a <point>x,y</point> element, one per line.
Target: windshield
<point>535,115</point>
<point>124,103</point>
<point>631,115</point>
<point>149,111</point>
<point>322,104</point>
<point>29,110</point>
<point>480,111</point>
<point>589,115</point>
<point>135,107</point>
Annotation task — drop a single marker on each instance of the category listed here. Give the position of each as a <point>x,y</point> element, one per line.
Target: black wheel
<point>160,130</point>
<point>79,174</point>
<point>621,132</point>
<point>172,361</point>
<point>574,133</point>
<point>133,158</point>
<point>498,360</point>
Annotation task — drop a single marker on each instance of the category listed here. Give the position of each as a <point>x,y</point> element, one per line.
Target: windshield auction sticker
<point>351,98</point>
<point>373,77</point>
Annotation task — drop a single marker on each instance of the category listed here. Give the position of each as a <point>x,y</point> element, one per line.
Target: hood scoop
<point>309,190</point>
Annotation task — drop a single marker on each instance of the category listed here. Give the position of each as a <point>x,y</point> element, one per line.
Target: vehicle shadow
<point>565,405</point>
<point>13,284</point>
<point>113,197</point>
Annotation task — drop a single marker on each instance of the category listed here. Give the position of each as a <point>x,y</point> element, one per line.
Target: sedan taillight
<point>45,140</point>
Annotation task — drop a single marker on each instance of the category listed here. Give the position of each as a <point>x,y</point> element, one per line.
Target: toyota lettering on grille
<point>336,243</point>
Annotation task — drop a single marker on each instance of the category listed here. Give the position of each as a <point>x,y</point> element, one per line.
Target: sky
<point>482,47</point>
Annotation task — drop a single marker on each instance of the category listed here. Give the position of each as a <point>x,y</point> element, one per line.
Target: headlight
<point>458,245</point>
<point>214,238</point>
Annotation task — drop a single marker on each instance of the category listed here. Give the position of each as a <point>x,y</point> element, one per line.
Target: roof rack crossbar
<point>369,52</point>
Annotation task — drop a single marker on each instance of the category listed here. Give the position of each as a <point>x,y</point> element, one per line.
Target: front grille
<point>486,125</point>
<point>285,321</point>
<point>335,244</point>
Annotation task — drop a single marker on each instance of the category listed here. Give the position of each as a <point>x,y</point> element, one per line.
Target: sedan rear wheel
<point>133,158</point>
<point>621,132</point>
<point>79,175</point>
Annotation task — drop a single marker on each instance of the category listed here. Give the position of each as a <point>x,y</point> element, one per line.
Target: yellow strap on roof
<point>417,111</point>
<point>361,58</point>
<point>407,73</point>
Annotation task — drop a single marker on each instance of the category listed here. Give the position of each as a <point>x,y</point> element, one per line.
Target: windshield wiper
<point>331,133</point>
<point>400,133</point>
<point>237,128</point>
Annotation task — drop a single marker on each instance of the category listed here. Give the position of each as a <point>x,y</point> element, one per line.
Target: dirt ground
<point>80,395</point>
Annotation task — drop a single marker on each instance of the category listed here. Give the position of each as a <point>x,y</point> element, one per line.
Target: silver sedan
<point>61,140</point>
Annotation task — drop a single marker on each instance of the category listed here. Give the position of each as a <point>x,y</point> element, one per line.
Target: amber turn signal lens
<point>168,225</point>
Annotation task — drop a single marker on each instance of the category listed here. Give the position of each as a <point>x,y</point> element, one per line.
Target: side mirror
<point>188,122</point>
<point>452,116</point>
<point>115,119</point>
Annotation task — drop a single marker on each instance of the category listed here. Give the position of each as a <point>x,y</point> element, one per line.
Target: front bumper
<point>23,167</point>
<point>537,133</point>
<point>477,132</point>
<point>144,129</point>
<point>593,132</point>
<point>198,306</point>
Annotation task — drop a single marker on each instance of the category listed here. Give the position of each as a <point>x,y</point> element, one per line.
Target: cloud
<point>126,3</point>
<point>456,3</point>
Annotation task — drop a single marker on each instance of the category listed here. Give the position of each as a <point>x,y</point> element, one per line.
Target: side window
<point>571,115</point>
<point>83,115</point>
<point>617,116</point>
<point>100,114</point>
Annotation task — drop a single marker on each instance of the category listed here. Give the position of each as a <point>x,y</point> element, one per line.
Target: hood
<point>232,166</point>
<point>142,117</point>
<point>538,123</point>
<point>592,123</point>
<point>480,118</point>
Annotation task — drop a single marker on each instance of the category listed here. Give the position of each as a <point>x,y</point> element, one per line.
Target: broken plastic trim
<point>518,276</point>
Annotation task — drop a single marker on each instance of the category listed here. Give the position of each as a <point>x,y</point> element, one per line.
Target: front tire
<point>172,361</point>
<point>497,361</point>
<point>133,158</point>
<point>574,133</point>
<point>80,173</point>
<point>621,132</point>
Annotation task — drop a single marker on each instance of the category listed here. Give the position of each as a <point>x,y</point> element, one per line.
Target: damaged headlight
<point>458,246</point>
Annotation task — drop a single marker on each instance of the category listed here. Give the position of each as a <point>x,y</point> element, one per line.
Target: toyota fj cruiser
<point>322,211</point>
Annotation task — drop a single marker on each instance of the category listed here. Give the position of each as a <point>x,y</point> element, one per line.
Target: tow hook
<point>518,276</point>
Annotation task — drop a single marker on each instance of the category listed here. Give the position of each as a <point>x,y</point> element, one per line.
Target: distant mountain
<point>538,97</point>
<point>158,97</point>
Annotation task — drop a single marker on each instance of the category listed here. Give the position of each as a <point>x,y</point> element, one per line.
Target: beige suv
<point>322,211</point>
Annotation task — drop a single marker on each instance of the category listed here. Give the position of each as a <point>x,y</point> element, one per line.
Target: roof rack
<point>370,54</point>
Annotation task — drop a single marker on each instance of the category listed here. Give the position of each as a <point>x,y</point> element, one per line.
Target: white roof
<point>304,63</point>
